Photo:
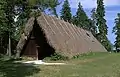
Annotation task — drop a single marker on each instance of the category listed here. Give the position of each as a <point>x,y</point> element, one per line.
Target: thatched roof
<point>63,36</point>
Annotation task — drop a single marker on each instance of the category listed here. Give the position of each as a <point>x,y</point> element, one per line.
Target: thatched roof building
<point>46,34</point>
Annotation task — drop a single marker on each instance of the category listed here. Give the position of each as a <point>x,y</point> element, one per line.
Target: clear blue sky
<point>112,8</point>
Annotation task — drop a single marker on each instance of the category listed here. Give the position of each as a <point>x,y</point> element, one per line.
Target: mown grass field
<point>91,65</point>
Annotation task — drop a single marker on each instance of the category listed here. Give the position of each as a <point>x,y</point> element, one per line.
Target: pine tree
<point>8,27</point>
<point>81,18</point>
<point>53,4</point>
<point>3,27</point>
<point>66,11</point>
<point>116,30</point>
<point>101,23</point>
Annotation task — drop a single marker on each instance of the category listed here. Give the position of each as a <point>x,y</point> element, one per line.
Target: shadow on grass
<point>10,69</point>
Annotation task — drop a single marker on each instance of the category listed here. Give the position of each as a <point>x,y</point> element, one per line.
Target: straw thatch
<point>64,37</point>
<point>25,35</point>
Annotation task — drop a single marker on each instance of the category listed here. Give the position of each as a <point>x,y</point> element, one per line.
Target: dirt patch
<point>40,62</point>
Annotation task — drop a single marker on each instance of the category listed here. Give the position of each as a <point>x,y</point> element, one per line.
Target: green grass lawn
<point>91,65</point>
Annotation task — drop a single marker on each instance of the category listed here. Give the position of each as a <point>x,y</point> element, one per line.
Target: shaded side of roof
<point>25,34</point>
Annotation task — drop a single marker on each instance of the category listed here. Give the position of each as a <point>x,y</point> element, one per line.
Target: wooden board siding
<point>31,49</point>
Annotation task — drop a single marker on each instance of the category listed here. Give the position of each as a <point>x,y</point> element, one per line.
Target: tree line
<point>15,13</point>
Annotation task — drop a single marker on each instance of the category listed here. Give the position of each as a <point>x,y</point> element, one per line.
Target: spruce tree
<point>66,11</point>
<point>81,18</point>
<point>101,23</point>
<point>92,27</point>
<point>116,30</point>
<point>93,22</point>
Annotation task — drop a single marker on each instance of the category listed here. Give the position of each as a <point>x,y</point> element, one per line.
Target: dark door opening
<point>43,48</point>
<point>36,45</point>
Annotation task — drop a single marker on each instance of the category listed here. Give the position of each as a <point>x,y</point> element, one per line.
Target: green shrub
<point>83,55</point>
<point>57,56</point>
<point>1,55</point>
